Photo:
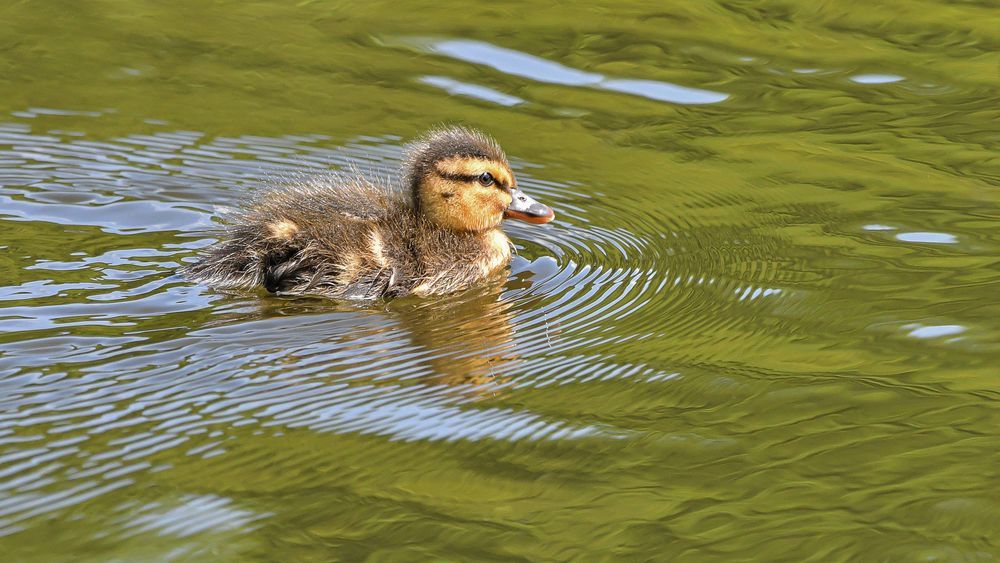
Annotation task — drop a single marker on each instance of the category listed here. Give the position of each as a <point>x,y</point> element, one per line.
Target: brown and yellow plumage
<point>358,239</point>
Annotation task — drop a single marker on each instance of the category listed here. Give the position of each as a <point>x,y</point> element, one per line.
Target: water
<point>764,324</point>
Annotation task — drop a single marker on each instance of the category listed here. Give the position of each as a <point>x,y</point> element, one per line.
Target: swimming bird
<point>435,229</point>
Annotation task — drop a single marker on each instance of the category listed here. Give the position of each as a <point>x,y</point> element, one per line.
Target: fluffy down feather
<point>351,238</point>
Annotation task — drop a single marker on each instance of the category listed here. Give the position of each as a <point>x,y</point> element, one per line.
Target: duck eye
<point>486,179</point>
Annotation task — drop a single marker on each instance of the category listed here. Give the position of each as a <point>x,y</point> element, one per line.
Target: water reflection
<point>464,341</point>
<point>468,339</point>
<point>876,78</point>
<point>517,63</point>
<point>458,88</point>
<point>929,238</point>
<point>187,515</point>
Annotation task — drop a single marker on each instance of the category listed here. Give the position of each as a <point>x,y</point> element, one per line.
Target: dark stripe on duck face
<point>470,178</point>
<point>469,169</point>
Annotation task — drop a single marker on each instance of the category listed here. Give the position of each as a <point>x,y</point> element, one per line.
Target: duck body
<point>436,231</point>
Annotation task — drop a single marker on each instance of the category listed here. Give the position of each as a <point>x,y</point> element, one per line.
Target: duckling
<point>436,231</point>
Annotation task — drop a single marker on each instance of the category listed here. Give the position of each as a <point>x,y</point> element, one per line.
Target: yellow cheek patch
<point>439,186</point>
<point>284,229</point>
<point>490,203</point>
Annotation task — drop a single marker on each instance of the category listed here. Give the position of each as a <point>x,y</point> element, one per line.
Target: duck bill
<point>524,208</point>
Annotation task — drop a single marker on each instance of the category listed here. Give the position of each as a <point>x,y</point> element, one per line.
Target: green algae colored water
<point>764,326</point>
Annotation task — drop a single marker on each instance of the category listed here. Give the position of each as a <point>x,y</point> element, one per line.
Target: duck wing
<point>312,237</point>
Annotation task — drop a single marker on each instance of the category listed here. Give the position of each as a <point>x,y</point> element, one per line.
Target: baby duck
<point>360,239</point>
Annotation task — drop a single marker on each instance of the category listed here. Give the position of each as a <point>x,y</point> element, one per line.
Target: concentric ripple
<point>124,363</point>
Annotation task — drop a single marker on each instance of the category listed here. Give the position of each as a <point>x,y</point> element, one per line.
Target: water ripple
<point>110,365</point>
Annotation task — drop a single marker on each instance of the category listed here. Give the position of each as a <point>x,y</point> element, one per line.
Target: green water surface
<point>764,326</point>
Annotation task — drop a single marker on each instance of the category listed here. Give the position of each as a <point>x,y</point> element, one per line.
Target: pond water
<point>765,324</point>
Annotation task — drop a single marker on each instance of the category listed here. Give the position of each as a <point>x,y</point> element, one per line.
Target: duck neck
<point>498,249</point>
<point>495,240</point>
<point>489,246</point>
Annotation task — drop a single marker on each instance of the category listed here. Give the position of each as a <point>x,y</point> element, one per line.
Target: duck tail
<point>240,261</point>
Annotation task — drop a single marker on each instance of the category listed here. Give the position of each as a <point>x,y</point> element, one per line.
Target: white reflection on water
<point>516,63</point>
<point>458,88</point>
<point>509,61</point>
<point>876,78</point>
<point>193,514</point>
<point>927,237</point>
<point>935,331</point>
<point>878,227</point>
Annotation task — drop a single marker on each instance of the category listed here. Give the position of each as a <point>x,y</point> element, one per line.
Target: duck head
<point>461,181</point>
